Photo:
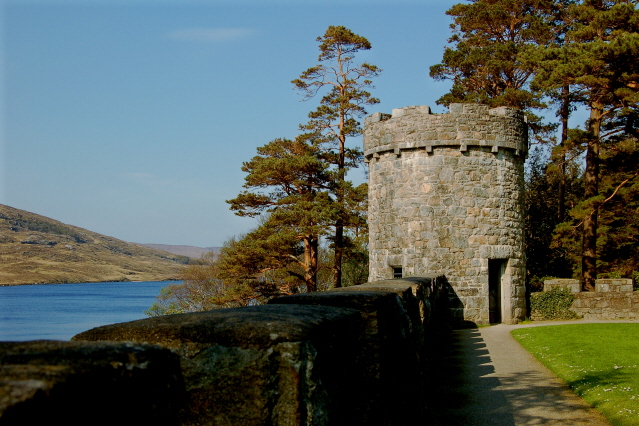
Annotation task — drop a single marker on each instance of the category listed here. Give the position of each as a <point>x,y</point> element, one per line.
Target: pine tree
<point>618,241</point>
<point>598,61</point>
<point>288,181</point>
<point>489,61</point>
<point>343,85</point>
<point>563,99</point>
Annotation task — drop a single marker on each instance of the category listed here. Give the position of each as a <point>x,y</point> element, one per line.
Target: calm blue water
<point>60,311</point>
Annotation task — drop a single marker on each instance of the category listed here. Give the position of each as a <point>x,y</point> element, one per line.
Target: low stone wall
<point>357,356</point>
<point>612,298</point>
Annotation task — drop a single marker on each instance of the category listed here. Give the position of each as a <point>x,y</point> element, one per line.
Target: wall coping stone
<point>247,327</point>
<point>416,127</point>
<point>104,383</point>
<point>602,285</point>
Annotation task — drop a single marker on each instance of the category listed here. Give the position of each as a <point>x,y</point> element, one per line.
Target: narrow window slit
<point>397,272</point>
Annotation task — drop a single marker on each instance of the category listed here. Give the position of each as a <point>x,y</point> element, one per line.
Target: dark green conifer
<point>289,182</point>
<point>489,60</point>
<point>598,62</point>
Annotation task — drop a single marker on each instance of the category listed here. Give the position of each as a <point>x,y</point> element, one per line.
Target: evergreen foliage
<point>300,189</point>
<point>271,261</point>
<point>543,256</point>
<point>598,61</point>
<point>489,60</point>
<point>618,240</point>
<point>289,182</point>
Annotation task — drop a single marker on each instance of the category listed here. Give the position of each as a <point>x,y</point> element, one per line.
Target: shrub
<point>553,304</point>
<point>611,275</point>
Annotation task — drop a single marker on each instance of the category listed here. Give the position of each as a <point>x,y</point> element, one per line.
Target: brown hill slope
<point>36,249</point>
<point>190,251</point>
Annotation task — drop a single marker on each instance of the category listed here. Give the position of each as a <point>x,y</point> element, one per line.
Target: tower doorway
<point>496,273</point>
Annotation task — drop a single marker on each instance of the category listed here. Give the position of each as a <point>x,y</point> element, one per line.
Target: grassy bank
<point>600,362</point>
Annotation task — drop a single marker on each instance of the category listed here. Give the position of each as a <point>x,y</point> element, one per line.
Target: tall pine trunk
<point>591,176</point>
<point>565,114</point>
<point>311,249</point>
<point>334,120</point>
<point>339,223</point>
<point>339,253</point>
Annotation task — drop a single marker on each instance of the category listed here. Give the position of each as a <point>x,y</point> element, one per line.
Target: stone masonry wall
<point>612,298</point>
<point>445,195</point>
<point>358,356</point>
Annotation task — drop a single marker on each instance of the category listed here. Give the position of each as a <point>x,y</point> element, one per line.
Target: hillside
<point>37,249</point>
<point>190,251</point>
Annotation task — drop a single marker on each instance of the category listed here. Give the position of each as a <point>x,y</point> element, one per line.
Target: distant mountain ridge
<point>35,249</point>
<point>190,251</point>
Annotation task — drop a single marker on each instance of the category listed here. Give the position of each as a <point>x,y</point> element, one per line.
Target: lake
<point>60,311</point>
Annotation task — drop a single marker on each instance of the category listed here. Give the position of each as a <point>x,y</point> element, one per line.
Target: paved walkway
<point>489,379</point>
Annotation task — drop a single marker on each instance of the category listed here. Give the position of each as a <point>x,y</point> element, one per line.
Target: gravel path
<point>485,377</point>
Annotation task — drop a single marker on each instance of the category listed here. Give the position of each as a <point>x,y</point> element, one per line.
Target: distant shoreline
<point>93,282</point>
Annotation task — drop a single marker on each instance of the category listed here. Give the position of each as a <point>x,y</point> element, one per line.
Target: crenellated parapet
<point>466,125</point>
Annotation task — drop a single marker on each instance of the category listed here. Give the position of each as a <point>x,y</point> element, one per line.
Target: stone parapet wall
<point>446,196</point>
<point>355,356</point>
<point>613,285</point>
<point>602,285</point>
<point>466,125</point>
<point>89,383</point>
<point>612,298</point>
<point>608,305</point>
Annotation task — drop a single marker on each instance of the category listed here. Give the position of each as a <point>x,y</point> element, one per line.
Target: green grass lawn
<point>600,362</point>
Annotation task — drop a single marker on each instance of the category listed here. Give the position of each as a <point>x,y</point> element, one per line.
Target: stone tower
<point>446,196</point>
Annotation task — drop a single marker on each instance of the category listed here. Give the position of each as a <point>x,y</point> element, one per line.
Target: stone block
<point>398,112</point>
<point>456,108</point>
<point>614,285</point>
<point>571,284</point>
<point>418,294</point>
<point>602,287</point>
<point>80,383</point>
<point>620,303</point>
<point>293,364</point>
<point>375,117</point>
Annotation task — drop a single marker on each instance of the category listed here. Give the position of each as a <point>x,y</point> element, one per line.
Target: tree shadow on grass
<point>595,386</point>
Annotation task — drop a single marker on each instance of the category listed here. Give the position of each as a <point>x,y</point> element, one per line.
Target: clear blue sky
<point>132,118</point>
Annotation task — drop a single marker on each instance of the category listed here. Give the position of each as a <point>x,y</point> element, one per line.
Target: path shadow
<point>462,389</point>
<point>458,391</point>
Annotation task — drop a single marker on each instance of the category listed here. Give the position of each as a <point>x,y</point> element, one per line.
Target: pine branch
<point>599,205</point>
